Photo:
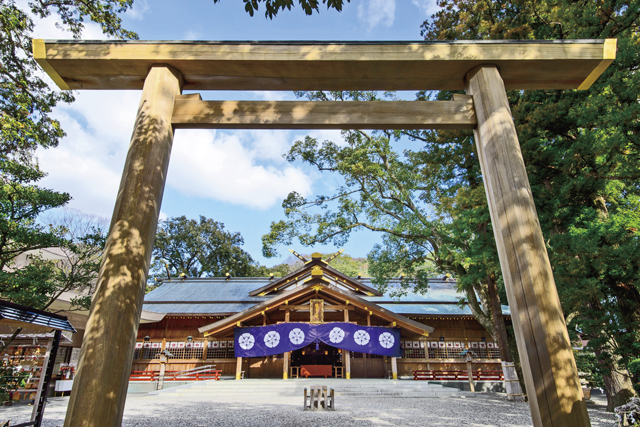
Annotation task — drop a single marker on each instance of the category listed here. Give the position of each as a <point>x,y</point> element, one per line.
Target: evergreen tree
<point>200,248</point>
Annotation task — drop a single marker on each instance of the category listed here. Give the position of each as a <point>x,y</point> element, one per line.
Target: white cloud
<point>374,12</point>
<point>427,7</point>
<point>234,168</point>
<point>274,95</point>
<point>192,35</point>
<point>139,9</point>
<point>243,167</point>
<point>89,160</point>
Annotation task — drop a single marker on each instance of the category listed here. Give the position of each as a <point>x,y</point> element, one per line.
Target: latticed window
<point>177,349</point>
<point>413,349</point>
<point>485,350</point>
<point>220,350</point>
<point>449,350</point>
<point>356,355</point>
<point>193,350</point>
<point>185,350</point>
<point>147,350</point>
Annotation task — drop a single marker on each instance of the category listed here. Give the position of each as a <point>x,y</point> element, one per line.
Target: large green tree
<point>199,248</point>
<point>26,103</point>
<point>581,153</point>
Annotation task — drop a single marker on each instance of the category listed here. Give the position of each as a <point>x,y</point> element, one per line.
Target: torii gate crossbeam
<point>485,69</point>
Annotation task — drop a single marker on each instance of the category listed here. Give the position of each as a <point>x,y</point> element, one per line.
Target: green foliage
<point>349,265</point>
<point>26,102</point>
<point>199,249</point>
<point>274,6</point>
<point>72,265</point>
<point>587,363</point>
<point>21,202</point>
<point>279,270</point>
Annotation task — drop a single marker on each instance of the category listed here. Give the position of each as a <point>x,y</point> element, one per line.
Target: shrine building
<point>315,321</point>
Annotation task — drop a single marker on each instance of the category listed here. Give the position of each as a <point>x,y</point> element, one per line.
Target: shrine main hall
<point>315,321</point>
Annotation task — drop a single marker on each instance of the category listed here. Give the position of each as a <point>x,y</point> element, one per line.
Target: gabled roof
<point>27,317</point>
<point>222,296</point>
<point>316,285</point>
<point>304,272</point>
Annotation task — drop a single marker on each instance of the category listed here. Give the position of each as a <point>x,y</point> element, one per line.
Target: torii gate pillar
<point>100,386</point>
<point>550,373</point>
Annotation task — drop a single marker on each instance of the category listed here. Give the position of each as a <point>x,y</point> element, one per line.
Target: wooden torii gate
<point>485,69</point>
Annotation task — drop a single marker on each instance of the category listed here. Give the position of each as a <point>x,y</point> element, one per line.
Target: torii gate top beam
<point>307,65</point>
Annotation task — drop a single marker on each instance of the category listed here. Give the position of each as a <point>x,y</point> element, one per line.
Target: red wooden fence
<point>457,375</point>
<point>210,374</point>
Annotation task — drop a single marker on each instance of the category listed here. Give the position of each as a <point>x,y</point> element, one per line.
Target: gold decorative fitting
<point>316,287</point>
<point>316,272</point>
<point>316,256</point>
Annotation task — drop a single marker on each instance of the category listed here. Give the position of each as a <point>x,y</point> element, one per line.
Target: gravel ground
<point>153,410</point>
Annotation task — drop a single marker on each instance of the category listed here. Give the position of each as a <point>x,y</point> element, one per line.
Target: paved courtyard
<point>171,410</point>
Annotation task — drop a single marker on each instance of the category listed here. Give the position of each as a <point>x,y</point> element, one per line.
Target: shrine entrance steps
<point>248,388</point>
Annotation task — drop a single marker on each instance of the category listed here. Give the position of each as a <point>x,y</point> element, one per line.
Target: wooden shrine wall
<point>178,328</point>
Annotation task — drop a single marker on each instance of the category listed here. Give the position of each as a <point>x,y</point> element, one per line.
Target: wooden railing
<point>457,375</point>
<point>207,374</point>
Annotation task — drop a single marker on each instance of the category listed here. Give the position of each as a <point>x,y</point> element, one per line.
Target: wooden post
<point>287,355</point>
<point>285,365</point>
<point>472,387</point>
<point>394,368</point>
<point>239,368</point>
<point>346,359</point>
<point>163,367</point>
<point>100,387</point>
<point>549,369</point>
<point>42,380</point>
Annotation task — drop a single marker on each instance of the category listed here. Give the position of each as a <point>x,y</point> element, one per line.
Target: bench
<point>318,398</point>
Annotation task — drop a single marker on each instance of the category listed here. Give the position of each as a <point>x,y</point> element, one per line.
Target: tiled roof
<point>219,295</point>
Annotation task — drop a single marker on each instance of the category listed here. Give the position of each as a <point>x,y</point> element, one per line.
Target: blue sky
<point>236,177</point>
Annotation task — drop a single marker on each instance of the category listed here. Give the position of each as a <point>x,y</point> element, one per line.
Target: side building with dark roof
<point>201,318</point>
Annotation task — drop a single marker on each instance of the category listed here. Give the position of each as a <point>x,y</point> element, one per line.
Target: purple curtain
<point>274,339</point>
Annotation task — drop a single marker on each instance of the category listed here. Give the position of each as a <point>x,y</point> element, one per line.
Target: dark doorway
<point>324,355</point>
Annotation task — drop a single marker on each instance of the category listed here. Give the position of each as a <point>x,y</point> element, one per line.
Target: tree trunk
<point>617,383</point>
<point>479,313</point>
<point>512,382</point>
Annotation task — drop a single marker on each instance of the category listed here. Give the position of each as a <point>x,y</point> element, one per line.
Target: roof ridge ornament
<point>334,256</point>
<point>297,255</point>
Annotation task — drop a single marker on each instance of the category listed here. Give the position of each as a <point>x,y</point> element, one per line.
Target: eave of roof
<point>280,300</point>
<point>305,271</point>
<point>19,314</point>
